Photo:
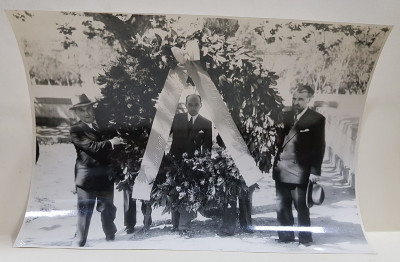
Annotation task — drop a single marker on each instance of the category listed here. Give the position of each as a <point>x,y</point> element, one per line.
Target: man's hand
<point>253,187</point>
<point>117,141</point>
<point>313,178</point>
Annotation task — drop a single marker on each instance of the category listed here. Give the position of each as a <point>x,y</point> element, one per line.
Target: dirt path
<point>54,222</point>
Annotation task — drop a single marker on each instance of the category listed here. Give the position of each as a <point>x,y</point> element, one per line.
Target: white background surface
<point>377,179</point>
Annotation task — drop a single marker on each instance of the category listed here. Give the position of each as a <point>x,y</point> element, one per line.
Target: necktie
<point>190,124</point>
<point>295,119</point>
<point>95,126</point>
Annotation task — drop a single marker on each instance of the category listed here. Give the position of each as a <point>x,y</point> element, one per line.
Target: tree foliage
<point>334,58</point>
<point>68,58</point>
<point>132,83</point>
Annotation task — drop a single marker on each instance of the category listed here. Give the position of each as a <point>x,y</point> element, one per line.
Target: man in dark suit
<point>229,215</point>
<point>301,147</point>
<point>130,213</point>
<point>190,133</point>
<point>93,174</point>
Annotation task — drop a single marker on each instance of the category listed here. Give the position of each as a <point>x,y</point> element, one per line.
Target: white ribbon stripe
<point>166,108</point>
<point>168,102</point>
<point>224,123</point>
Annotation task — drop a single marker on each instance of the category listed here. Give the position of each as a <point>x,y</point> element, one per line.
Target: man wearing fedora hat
<point>301,147</point>
<point>93,174</point>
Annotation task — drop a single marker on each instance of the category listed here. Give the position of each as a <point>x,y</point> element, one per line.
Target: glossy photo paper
<point>182,132</point>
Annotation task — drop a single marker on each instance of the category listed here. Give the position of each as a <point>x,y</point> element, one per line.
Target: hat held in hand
<point>315,194</point>
<point>80,101</point>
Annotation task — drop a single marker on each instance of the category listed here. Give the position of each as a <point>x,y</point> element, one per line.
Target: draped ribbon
<point>219,113</point>
<point>224,123</point>
<point>166,108</point>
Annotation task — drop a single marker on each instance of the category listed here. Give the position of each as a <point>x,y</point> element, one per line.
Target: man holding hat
<point>301,147</point>
<point>93,174</point>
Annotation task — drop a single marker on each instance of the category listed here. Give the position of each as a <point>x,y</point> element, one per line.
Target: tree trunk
<point>123,31</point>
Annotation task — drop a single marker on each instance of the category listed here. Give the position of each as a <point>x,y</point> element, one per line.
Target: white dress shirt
<point>194,117</point>
<point>301,113</point>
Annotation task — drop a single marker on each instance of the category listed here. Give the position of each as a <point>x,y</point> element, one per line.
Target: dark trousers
<point>130,211</point>
<point>86,202</point>
<point>181,218</point>
<point>230,214</point>
<point>286,194</point>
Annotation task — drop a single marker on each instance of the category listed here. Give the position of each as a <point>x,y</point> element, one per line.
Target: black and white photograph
<point>184,132</point>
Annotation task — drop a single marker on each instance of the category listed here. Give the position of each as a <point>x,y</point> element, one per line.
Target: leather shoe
<point>224,234</point>
<point>110,238</point>
<point>186,234</point>
<point>247,230</point>
<point>78,243</point>
<point>285,240</point>
<point>129,230</point>
<point>305,243</point>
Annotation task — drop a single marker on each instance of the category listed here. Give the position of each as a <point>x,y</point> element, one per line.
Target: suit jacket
<point>301,148</point>
<point>92,168</point>
<point>199,138</point>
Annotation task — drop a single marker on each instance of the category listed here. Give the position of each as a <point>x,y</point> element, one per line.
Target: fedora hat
<point>315,194</point>
<point>80,101</point>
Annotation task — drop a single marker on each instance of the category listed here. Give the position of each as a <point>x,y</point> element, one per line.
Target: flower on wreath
<point>201,183</point>
<point>182,195</point>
